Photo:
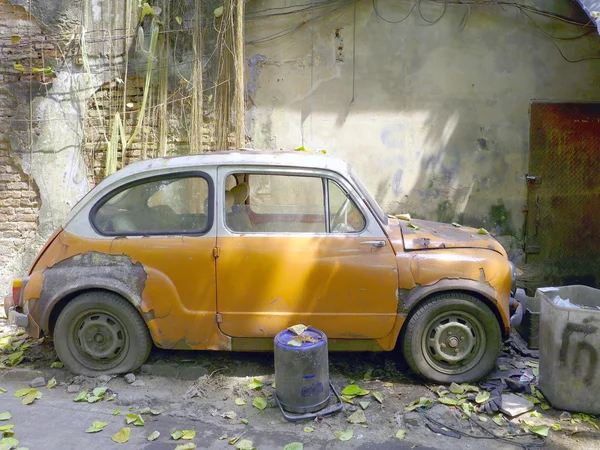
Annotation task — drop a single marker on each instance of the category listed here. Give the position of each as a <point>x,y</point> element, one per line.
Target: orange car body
<point>223,290</point>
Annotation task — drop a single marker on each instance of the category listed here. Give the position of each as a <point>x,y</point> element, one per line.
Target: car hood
<point>436,235</point>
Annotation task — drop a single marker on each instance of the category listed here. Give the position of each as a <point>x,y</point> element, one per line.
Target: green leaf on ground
<point>294,446</point>
<point>419,403</point>
<point>223,437</point>
<point>99,391</point>
<point>469,388</point>
<point>448,401</point>
<point>229,415</point>
<point>7,415</point>
<point>308,429</point>
<point>467,408</point>
<point>545,406</point>
<point>22,392</point>
<point>188,435</point>
<point>401,434</point>
<point>116,412</point>
<point>81,397</point>
<point>2,391</point>
<point>8,443</point>
<point>255,384</point>
<point>353,390</point>
<point>31,396</point>
<point>51,383</point>
<point>244,421</point>
<point>218,12</point>
<point>153,436</point>
<point>135,419</point>
<point>150,411</point>
<point>357,417</point>
<point>532,363</point>
<point>413,226</point>
<point>244,444</point>
<point>536,371</point>
<point>556,427</point>
<point>499,420</point>
<point>535,414</point>
<point>6,427</point>
<point>347,399</point>
<point>540,430</point>
<point>14,359</point>
<point>96,427</point>
<point>259,402</point>
<point>111,398</point>
<point>502,367</point>
<point>56,365</point>
<point>344,435</point>
<point>177,434</point>
<point>364,405</point>
<point>240,401</point>
<point>179,20</point>
<point>378,396</point>
<point>186,446</point>
<point>483,419</point>
<point>483,231</point>
<point>456,389</point>
<point>482,397</point>
<point>405,216</point>
<point>122,436</point>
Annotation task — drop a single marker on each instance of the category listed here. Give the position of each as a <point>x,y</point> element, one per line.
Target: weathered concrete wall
<point>439,124</point>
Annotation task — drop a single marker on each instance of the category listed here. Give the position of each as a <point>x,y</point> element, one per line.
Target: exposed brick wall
<point>21,43</point>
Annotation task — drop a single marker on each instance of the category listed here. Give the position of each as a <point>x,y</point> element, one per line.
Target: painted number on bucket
<point>312,389</point>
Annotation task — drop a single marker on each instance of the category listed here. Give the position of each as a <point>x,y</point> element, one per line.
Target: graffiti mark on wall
<point>581,348</point>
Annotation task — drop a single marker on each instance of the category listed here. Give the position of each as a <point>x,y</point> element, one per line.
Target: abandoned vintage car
<point>221,251</point>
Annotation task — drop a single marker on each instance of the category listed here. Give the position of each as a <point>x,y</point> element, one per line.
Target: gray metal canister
<point>302,372</point>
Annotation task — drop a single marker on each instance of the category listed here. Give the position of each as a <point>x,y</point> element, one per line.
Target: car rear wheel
<point>452,337</point>
<point>101,333</point>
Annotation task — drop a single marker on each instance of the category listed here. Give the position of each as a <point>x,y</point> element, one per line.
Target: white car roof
<point>161,166</point>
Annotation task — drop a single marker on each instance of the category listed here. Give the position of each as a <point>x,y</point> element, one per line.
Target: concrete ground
<point>194,390</point>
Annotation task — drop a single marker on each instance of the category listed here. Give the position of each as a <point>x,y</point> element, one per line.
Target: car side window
<point>160,206</point>
<point>344,215</point>
<point>276,203</point>
<point>280,203</point>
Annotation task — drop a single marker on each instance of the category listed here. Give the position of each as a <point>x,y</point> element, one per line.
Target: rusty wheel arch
<point>60,304</point>
<point>489,303</point>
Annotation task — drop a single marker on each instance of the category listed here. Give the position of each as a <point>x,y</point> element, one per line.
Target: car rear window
<point>165,205</point>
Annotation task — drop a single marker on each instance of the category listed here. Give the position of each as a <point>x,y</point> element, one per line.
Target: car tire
<point>452,337</point>
<point>100,333</point>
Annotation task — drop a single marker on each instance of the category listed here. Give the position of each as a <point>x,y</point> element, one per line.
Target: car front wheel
<point>452,337</point>
<point>101,333</point>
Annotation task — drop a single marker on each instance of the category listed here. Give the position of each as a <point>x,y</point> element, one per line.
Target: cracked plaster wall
<point>439,125</point>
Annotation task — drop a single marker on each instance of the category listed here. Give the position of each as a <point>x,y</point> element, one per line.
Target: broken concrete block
<point>138,383</point>
<point>130,378</point>
<point>73,388</point>
<point>513,405</point>
<point>37,382</point>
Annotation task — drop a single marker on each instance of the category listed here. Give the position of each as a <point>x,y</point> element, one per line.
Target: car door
<point>299,246</point>
<point>166,224</point>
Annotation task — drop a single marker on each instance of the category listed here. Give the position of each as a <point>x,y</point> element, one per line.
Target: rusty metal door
<point>562,239</point>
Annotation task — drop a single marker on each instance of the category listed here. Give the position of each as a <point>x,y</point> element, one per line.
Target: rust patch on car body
<point>82,272</point>
<point>433,235</point>
<point>177,302</point>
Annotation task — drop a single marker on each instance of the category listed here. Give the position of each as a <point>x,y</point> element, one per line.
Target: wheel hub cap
<point>101,336</point>
<point>451,340</point>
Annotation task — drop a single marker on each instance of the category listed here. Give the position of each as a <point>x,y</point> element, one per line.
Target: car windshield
<point>367,195</point>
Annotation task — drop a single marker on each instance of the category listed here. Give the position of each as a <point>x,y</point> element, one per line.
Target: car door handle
<point>374,243</point>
